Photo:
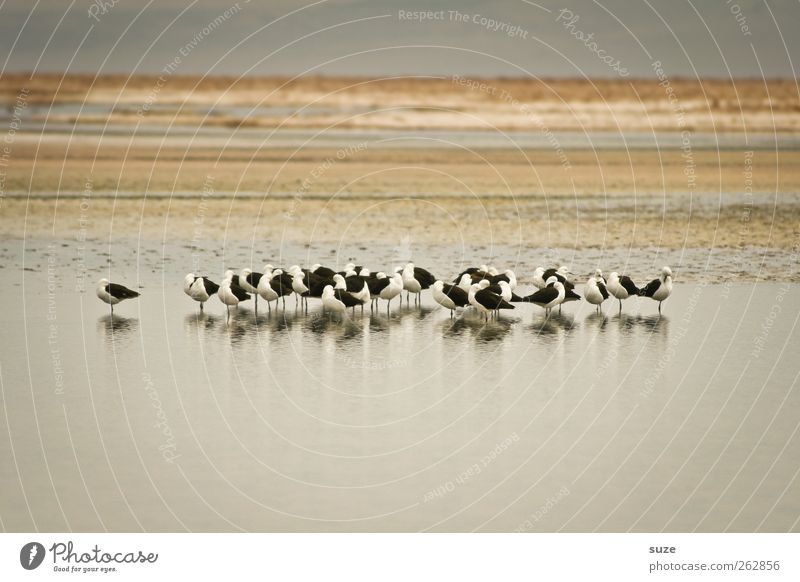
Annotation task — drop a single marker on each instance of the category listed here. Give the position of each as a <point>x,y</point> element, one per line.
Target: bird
<point>503,289</point>
<point>621,287</point>
<point>507,276</point>
<point>231,294</point>
<point>486,301</point>
<point>659,289</point>
<point>337,300</point>
<point>324,272</point>
<point>112,293</point>
<point>551,295</point>
<point>595,292</point>
<point>561,274</point>
<point>449,296</point>
<point>391,290</point>
<point>264,287</point>
<point>281,283</point>
<point>415,279</point>
<point>199,288</point>
<point>538,278</point>
<point>248,280</point>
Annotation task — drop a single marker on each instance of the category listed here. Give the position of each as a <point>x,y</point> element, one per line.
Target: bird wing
<point>457,294</point>
<point>492,300</point>
<point>253,279</point>
<point>377,285</point>
<point>650,289</point>
<point>542,296</point>
<point>210,286</point>
<point>629,286</point>
<point>424,277</point>
<point>120,291</point>
<point>239,293</point>
<point>346,298</point>
<point>603,290</point>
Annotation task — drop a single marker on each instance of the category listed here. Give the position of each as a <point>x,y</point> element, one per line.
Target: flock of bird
<point>483,288</point>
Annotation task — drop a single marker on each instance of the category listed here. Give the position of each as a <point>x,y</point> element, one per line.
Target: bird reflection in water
<point>116,328</point>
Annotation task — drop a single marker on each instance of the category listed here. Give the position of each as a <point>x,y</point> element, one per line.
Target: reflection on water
<point>115,327</point>
<point>313,422</point>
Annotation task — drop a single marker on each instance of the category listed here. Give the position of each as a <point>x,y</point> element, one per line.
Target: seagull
<point>390,290</point>
<point>337,300</point>
<point>264,287</point>
<point>449,296</point>
<point>503,289</point>
<point>323,272</point>
<point>553,294</point>
<point>621,287</point>
<point>281,283</point>
<point>231,294</point>
<point>486,301</point>
<point>248,280</point>
<point>506,276</point>
<point>595,292</point>
<point>112,293</point>
<point>659,289</point>
<point>415,279</point>
<point>538,278</point>
<point>561,274</point>
<point>199,288</point>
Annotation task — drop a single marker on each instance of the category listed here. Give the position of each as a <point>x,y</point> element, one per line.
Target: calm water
<point>165,419</point>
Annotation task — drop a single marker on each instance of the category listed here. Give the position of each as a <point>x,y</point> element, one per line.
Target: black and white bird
<point>281,283</point>
<point>595,292</point>
<point>248,280</point>
<point>386,288</point>
<point>199,288</point>
<point>416,279</point>
<point>449,296</point>
<point>323,272</point>
<point>561,274</point>
<point>264,287</point>
<point>113,293</point>
<point>621,287</point>
<point>538,278</point>
<point>659,289</point>
<point>337,300</point>
<point>550,296</point>
<point>486,301</point>
<point>231,294</point>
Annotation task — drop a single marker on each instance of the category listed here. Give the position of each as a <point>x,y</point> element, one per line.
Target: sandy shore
<point>408,102</point>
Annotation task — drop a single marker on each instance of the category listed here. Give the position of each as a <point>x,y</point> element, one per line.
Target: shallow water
<point>161,418</point>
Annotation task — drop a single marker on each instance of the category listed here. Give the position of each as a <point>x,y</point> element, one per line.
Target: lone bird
<point>659,289</point>
<point>112,293</point>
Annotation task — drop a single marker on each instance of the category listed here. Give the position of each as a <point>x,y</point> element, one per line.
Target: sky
<point>565,38</point>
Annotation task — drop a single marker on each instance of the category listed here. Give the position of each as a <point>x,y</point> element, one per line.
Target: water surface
<point>164,419</point>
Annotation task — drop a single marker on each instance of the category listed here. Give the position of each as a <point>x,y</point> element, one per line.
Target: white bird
<point>659,289</point>
<point>112,293</point>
